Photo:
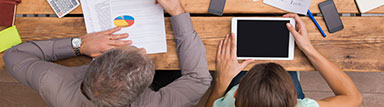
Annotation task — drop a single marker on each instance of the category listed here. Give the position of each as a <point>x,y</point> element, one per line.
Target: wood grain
<point>201,7</point>
<point>356,48</point>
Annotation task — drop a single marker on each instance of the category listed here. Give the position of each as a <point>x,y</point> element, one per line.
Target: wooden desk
<point>201,7</point>
<point>359,47</point>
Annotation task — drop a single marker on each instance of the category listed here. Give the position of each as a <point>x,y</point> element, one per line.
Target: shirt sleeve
<point>27,62</point>
<point>195,80</point>
<point>228,100</point>
<point>307,102</point>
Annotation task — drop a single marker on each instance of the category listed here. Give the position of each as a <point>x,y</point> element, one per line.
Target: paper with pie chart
<point>143,20</point>
<point>124,21</point>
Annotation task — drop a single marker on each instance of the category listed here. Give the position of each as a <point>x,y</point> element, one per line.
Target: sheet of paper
<point>146,23</point>
<point>8,38</point>
<point>367,5</point>
<point>296,6</point>
<point>97,15</point>
<point>143,18</point>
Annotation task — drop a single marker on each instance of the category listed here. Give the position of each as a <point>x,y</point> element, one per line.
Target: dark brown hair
<point>266,85</point>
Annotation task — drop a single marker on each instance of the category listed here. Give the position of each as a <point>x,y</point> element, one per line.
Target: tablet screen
<point>262,38</point>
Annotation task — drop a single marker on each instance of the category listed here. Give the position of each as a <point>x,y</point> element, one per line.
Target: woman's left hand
<point>227,65</point>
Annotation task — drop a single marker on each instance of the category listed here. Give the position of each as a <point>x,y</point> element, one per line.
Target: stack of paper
<point>367,5</point>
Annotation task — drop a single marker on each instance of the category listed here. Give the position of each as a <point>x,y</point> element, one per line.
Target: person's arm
<point>29,61</point>
<point>195,79</point>
<point>227,67</point>
<point>347,95</point>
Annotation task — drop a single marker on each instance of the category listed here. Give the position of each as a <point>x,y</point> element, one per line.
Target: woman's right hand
<point>300,32</point>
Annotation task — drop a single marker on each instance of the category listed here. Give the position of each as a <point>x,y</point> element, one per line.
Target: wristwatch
<point>76,43</point>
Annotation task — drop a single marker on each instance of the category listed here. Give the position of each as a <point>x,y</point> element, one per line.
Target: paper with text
<point>143,18</point>
<point>296,6</point>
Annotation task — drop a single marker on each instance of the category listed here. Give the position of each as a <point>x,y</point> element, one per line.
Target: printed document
<point>367,5</point>
<point>296,6</point>
<point>143,20</point>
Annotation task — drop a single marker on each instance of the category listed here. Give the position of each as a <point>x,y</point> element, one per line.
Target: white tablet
<point>263,38</point>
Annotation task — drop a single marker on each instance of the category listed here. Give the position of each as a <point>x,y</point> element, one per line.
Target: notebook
<point>8,38</point>
<point>7,12</point>
<point>367,5</point>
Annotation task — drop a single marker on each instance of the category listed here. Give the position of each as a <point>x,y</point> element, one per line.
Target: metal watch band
<point>77,51</point>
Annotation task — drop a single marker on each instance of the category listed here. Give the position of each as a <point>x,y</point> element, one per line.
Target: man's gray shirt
<point>31,64</point>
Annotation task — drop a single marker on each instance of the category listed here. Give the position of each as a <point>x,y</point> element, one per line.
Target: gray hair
<point>118,77</point>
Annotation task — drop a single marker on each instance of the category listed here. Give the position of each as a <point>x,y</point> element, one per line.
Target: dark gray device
<point>216,7</point>
<point>331,16</point>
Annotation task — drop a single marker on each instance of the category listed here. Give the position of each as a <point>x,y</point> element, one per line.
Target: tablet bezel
<point>291,48</point>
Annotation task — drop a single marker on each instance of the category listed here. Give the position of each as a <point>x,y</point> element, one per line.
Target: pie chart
<point>124,21</point>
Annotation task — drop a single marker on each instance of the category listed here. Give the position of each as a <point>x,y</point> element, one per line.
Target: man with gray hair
<point>120,75</point>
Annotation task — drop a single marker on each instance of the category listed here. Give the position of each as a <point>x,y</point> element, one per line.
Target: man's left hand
<point>95,44</point>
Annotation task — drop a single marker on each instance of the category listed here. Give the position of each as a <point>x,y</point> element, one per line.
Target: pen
<point>317,24</point>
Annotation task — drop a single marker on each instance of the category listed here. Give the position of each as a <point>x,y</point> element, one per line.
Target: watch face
<point>76,42</point>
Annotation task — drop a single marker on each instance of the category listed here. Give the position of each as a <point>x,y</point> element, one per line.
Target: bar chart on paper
<point>124,21</point>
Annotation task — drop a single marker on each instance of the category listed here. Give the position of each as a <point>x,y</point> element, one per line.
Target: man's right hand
<point>173,7</point>
<point>95,44</point>
<point>300,33</point>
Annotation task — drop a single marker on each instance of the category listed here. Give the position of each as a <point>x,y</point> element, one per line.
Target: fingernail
<point>289,25</point>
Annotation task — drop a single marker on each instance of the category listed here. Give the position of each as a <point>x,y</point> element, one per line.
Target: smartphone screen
<point>216,7</point>
<point>331,16</point>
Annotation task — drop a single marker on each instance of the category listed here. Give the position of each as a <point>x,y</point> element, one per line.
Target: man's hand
<point>300,33</point>
<point>227,65</point>
<point>173,7</point>
<point>95,44</point>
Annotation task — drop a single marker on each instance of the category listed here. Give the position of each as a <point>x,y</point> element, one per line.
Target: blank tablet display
<point>262,38</point>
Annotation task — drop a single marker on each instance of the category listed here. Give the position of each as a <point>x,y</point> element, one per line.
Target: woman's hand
<point>300,33</point>
<point>95,44</point>
<point>227,65</point>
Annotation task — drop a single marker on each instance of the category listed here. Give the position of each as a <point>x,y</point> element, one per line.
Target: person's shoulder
<point>307,102</point>
<point>59,85</point>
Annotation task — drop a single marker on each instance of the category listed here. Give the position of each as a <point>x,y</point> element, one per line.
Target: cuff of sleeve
<point>63,48</point>
<point>182,23</point>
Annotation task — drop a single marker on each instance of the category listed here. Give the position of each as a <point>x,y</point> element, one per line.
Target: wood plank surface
<point>359,47</point>
<point>201,7</point>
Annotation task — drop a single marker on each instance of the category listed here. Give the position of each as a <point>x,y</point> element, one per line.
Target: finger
<point>233,45</point>
<point>290,15</point>
<point>111,31</point>
<point>94,55</point>
<point>292,30</point>
<point>120,42</point>
<point>218,55</point>
<point>245,63</point>
<point>227,46</point>
<point>294,16</point>
<point>119,36</point>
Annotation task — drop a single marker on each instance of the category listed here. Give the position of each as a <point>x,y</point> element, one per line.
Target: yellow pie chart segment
<point>121,23</point>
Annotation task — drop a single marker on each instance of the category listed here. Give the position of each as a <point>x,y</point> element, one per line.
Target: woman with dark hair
<point>270,85</point>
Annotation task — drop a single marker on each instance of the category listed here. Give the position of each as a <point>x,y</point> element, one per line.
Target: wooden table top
<point>359,47</point>
<point>201,7</point>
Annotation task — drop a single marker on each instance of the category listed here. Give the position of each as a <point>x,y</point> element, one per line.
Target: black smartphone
<point>331,16</point>
<point>216,7</point>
